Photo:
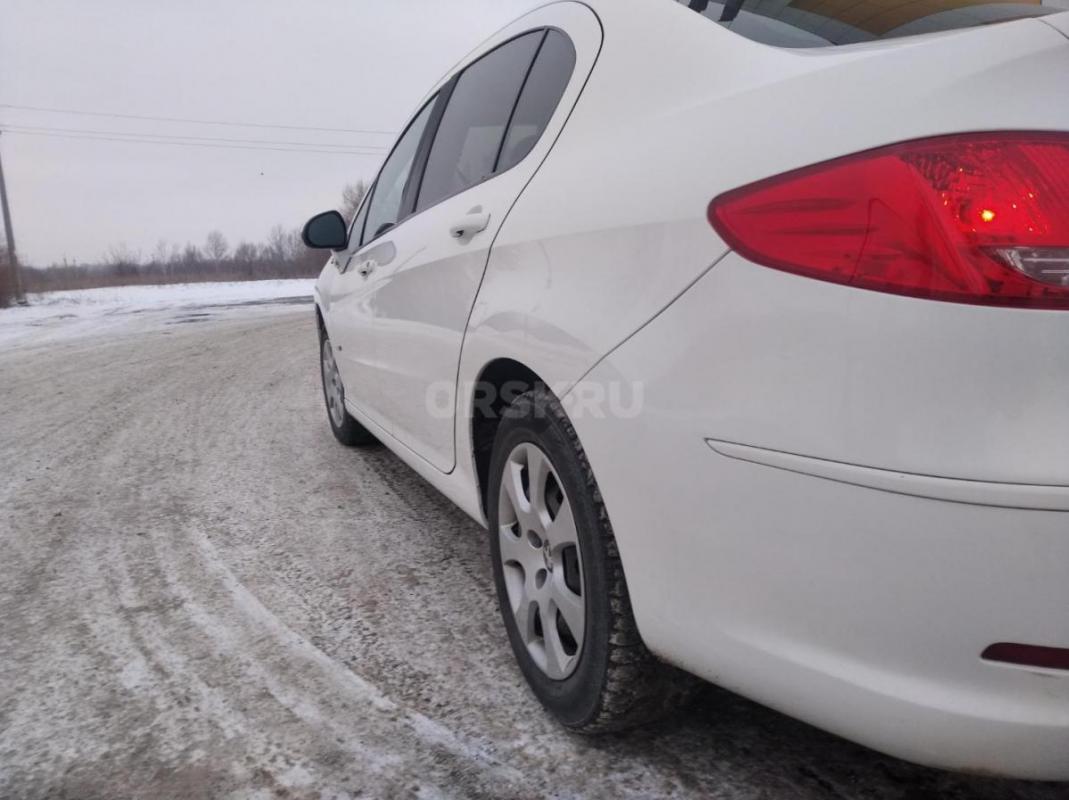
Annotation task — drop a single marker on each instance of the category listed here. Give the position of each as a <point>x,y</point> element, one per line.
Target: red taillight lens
<point>969,218</point>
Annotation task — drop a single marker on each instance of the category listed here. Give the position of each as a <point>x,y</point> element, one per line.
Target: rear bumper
<point>860,610</point>
<point>858,598</point>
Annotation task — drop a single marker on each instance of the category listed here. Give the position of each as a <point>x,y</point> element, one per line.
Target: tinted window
<point>473,125</point>
<point>541,94</point>
<point>820,23</point>
<point>385,208</point>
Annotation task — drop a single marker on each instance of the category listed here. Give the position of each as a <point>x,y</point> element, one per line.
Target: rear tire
<point>606,680</point>
<point>346,429</point>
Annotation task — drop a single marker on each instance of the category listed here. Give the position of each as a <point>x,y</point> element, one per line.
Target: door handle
<point>475,221</point>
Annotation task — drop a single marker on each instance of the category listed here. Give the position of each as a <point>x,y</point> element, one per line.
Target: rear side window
<point>540,97</point>
<point>473,125</point>
<point>823,23</point>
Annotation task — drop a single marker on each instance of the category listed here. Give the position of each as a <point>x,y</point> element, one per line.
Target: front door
<point>350,313</point>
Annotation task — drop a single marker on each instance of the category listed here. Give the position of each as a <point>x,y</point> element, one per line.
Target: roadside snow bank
<point>90,312</point>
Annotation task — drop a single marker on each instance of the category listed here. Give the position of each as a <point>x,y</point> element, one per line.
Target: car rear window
<point>823,23</point>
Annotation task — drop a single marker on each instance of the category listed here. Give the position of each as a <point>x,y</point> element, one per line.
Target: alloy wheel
<point>539,550</point>
<point>332,386</point>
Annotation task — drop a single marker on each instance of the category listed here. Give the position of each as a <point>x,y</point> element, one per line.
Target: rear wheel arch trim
<point>483,421</point>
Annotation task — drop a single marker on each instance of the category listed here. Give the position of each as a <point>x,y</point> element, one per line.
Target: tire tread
<point>638,688</point>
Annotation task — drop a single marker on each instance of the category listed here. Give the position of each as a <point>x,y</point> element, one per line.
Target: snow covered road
<point>203,595</point>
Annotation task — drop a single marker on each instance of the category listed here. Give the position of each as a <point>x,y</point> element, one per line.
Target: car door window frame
<point>361,217</point>
<point>412,189</point>
<point>549,30</point>
<point>423,154</point>
<point>516,105</point>
<point>543,32</point>
<point>404,212</point>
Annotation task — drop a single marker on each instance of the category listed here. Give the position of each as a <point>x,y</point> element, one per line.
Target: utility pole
<point>9,235</point>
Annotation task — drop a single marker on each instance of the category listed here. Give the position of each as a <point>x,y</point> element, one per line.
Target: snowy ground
<point>203,595</point>
<point>56,316</point>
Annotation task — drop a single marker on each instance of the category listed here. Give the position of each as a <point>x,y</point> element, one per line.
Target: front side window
<point>385,209</point>
<point>473,125</point>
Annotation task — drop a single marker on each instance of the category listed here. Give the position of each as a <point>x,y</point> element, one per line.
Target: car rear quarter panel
<point>613,227</point>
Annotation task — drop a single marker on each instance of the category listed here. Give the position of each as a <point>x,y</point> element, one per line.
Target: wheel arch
<point>321,324</point>
<point>499,383</point>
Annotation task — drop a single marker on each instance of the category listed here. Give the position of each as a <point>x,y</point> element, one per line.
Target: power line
<point>194,121</point>
<point>41,129</point>
<point>191,144</point>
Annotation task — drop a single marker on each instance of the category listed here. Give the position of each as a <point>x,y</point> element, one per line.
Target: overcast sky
<point>352,64</point>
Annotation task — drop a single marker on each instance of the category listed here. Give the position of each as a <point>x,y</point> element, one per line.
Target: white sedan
<point>744,329</point>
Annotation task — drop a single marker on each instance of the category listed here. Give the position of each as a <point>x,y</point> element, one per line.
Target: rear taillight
<point>970,218</point>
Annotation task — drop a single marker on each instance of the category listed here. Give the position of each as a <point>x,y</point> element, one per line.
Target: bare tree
<point>277,248</point>
<point>124,261</point>
<point>246,258</point>
<point>159,254</point>
<point>351,197</point>
<point>216,247</point>
<point>157,262</point>
<point>282,255</point>
<point>294,245</point>
<point>190,258</point>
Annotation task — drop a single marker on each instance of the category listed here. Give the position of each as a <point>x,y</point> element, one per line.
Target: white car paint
<point>421,297</point>
<point>833,498</point>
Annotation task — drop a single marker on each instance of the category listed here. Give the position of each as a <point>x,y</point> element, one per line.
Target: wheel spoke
<point>521,506</point>
<point>514,486</point>
<point>571,606</point>
<point>556,658</point>
<point>562,530</point>
<point>516,549</point>
<point>537,474</point>
<point>525,618</point>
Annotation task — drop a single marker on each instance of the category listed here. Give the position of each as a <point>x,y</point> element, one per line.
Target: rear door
<point>503,112</point>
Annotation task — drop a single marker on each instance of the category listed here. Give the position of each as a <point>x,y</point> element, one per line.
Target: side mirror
<point>326,231</point>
